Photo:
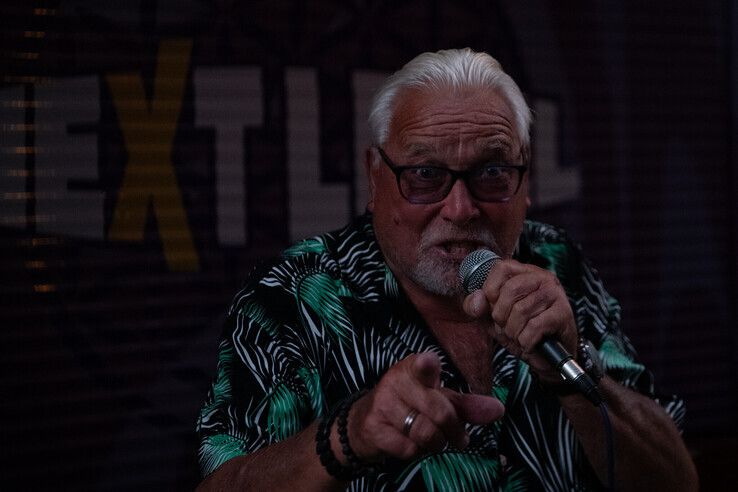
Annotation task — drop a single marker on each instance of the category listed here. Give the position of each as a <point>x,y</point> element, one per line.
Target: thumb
<point>426,369</point>
<point>476,409</point>
<point>475,304</point>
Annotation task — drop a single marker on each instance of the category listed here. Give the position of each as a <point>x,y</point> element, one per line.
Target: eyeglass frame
<point>455,175</point>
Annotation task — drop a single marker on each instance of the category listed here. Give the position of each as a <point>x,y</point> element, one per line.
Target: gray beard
<point>437,276</point>
<point>440,276</point>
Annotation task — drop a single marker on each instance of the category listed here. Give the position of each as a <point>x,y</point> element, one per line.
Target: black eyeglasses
<point>488,182</point>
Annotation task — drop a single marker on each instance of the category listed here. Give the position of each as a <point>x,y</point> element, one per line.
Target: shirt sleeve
<point>598,316</point>
<point>262,389</point>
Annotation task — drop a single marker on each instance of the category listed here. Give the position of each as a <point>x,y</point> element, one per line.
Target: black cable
<point>609,447</point>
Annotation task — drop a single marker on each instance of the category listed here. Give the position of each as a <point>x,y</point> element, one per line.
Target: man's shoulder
<point>539,232</point>
<point>539,238</point>
<point>335,244</point>
<point>346,259</point>
<point>551,247</point>
<point>345,253</point>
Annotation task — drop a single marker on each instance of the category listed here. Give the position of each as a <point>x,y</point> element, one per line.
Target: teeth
<point>458,248</point>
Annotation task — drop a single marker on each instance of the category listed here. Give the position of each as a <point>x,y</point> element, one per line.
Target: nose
<point>459,206</point>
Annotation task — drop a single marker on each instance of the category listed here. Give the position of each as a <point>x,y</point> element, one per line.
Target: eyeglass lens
<point>488,183</point>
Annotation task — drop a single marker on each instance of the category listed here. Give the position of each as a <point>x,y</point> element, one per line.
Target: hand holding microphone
<point>531,314</point>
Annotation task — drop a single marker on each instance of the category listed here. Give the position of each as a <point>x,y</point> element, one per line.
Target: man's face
<point>424,244</point>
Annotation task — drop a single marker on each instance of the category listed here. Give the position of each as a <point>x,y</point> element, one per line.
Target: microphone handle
<point>570,370</point>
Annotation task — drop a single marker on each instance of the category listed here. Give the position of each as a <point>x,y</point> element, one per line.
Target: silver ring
<point>409,420</point>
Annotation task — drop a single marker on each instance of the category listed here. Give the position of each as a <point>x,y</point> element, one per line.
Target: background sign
<point>153,152</point>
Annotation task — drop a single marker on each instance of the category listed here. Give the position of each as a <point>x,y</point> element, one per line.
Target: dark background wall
<point>153,151</point>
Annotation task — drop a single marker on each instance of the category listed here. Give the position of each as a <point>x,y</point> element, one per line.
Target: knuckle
<point>447,414</point>
<point>535,326</point>
<point>498,317</point>
<point>518,309</point>
<point>442,412</point>
<point>551,276</point>
<point>526,341</point>
<point>553,281</point>
<point>425,435</point>
<point>490,292</point>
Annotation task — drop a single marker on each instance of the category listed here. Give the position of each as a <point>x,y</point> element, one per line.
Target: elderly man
<point>357,361</point>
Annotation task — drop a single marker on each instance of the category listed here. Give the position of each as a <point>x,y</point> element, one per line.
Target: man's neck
<point>434,307</point>
<point>466,340</point>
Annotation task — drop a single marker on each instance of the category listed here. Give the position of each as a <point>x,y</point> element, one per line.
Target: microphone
<point>473,272</point>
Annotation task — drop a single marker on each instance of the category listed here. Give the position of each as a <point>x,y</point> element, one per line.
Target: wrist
<point>332,443</point>
<point>335,444</point>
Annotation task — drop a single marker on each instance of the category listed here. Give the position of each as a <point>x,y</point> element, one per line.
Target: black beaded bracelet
<point>355,467</point>
<point>354,461</point>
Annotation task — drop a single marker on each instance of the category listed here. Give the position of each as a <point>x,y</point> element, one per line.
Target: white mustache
<point>433,236</point>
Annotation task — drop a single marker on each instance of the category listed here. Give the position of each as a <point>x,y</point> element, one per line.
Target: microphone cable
<point>609,446</point>
<point>594,396</point>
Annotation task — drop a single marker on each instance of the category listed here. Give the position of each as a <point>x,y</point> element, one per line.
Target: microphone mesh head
<point>474,269</point>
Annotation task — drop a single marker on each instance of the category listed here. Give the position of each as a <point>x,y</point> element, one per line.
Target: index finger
<point>500,274</point>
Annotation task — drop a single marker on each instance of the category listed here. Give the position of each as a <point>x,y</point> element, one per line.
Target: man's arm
<point>525,304</point>
<point>375,431</point>
<point>649,451</point>
<point>291,464</point>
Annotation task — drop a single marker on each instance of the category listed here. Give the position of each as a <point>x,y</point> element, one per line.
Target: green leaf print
<point>459,472</point>
<point>312,245</point>
<point>323,294</point>
<point>217,449</point>
<point>312,382</point>
<point>613,356</point>
<point>283,418</point>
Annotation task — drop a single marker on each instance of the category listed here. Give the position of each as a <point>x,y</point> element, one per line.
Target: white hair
<point>448,69</point>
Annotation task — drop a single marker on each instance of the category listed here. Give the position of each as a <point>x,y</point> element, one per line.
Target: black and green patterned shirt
<point>329,318</point>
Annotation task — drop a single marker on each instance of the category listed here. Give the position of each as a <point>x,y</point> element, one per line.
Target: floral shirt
<point>329,318</point>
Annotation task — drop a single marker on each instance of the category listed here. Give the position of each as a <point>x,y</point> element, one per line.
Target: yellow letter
<point>148,130</point>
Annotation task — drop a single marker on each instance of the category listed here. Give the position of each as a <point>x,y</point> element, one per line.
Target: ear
<point>369,170</point>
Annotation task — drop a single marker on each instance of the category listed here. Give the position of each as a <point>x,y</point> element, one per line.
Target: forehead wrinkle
<point>424,124</point>
<point>427,130</point>
<point>499,147</point>
<point>439,132</point>
<point>494,143</point>
<point>425,118</point>
<point>414,149</point>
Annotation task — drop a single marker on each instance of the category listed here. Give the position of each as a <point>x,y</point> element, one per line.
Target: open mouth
<point>460,248</point>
